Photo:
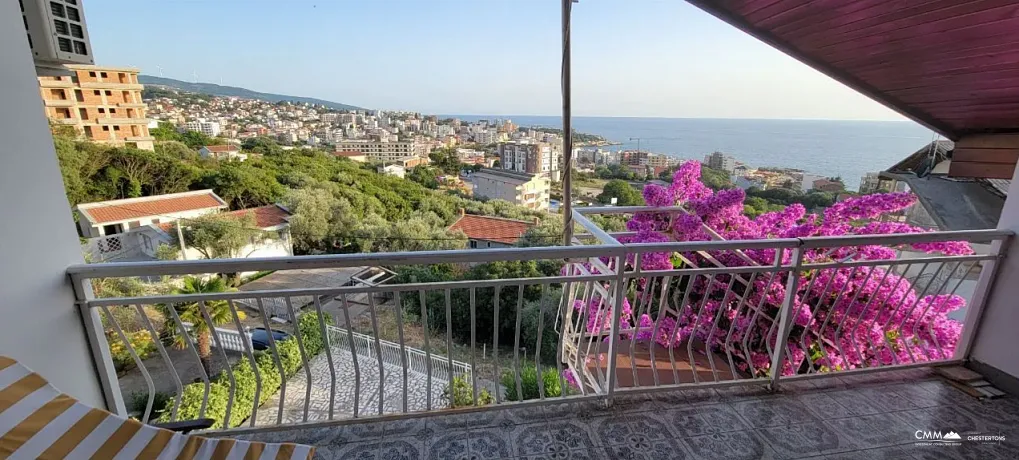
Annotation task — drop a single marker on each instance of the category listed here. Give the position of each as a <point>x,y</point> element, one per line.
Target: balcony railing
<point>594,330</point>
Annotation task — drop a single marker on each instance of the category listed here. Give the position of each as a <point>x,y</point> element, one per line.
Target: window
<point>102,110</point>
<point>147,242</point>
<point>57,9</point>
<point>64,113</point>
<point>102,74</point>
<point>58,93</point>
<point>111,229</point>
<point>92,74</point>
<point>113,110</point>
<point>123,78</point>
<point>473,244</point>
<point>109,93</point>
<point>83,114</point>
<point>96,92</point>
<point>106,128</point>
<point>116,128</point>
<point>88,129</point>
<point>78,96</point>
<point>127,96</point>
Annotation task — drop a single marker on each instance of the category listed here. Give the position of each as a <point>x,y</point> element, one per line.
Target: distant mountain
<point>233,91</point>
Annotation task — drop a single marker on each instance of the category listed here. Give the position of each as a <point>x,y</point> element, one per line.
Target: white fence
<point>230,338</point>
<point>392,354</point>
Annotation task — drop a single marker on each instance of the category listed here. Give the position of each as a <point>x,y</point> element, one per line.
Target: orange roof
<point>265,216</point>
<point>491,228</point>
<point>222,148</point>
<point>132,208</point>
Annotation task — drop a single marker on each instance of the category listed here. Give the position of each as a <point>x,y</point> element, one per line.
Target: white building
<point>720,161</point>
<point>103,218</point>
<point>222,152</point>
<point>208,128</point>
<point>807,181</point>
<point>528,190</point>
<point>393,170</point>
<point>379,151</point>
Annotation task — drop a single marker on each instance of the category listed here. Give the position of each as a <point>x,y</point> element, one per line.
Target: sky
<point>644,58</point>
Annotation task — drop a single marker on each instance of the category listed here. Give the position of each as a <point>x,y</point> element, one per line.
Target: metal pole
<point>785,322</point>
<point>567,130</point>
<point>180,237</point>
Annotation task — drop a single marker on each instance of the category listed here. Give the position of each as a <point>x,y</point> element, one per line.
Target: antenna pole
<point>567,130</point>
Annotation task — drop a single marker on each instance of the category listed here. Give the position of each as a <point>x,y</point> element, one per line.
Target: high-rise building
<point>721,161</point>
<point>102,103</point>
<point>531,158</point>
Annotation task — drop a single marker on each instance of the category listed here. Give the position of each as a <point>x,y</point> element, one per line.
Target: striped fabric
<point>39,422</point>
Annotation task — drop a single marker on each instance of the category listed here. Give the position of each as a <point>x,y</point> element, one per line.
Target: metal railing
<point>394,355</point>
<point>600,325</point>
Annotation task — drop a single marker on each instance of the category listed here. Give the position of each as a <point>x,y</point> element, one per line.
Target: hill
<point>219,90</point>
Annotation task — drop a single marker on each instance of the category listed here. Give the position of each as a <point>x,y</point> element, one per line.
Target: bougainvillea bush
<point>843,318</point>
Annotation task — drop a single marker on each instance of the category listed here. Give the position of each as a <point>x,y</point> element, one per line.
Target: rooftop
<point>222,148</point>
<point>102,212</point>
<point>496,229</point>
<point>267,216</point>
<point>506,174</point>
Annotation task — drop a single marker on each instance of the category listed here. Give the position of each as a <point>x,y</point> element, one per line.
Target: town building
<point>102,103</point>
<point>530,158</point>
<point>103,218</point>
<point>352,155</point>
<point>871,183</point>
<point>633,158</point>
<point>393,170</point>
<point>807,181</point>
<point>490,232</point>
<point>208,128</point>
<point>827,185</point>
<point>720,161</point>
<point>377,150</point>
<point>528,190</point>
<point>222,152</point>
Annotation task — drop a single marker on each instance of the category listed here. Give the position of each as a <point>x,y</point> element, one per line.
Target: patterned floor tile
<point>1003,413</point>
<point>735,445</point>
<point>729,394</point>
<point>580,454</point>
<point>882,453</point>
<point>355,432</point>
<point>823,406</point>
<point>544,439</point>
<point>689,397</point>
<point>889,397</point>
<point>943,418</point>
<point>776,411</point>
<point>630,429</point>
<point>649,450</point>
<point>453,446</point>
<point>702,420</point>
<point>871,431</point>
<point>418,428</point>
<point>491,443</point>
<point>963,452</point>
<point>855,403</point>
<point>400,449</point>
<point>805,439</point>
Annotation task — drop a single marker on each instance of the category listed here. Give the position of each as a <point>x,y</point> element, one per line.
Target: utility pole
<point>638,142</point>
<point>567,129</point>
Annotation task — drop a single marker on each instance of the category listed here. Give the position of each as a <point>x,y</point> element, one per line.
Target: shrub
<point>141,342</point>
<point>529,383</point>
<point>463,394</point>
<point>246,382</point>
<point>139,401</point>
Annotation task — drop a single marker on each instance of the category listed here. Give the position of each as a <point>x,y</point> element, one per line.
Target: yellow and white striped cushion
<point>39,422</point>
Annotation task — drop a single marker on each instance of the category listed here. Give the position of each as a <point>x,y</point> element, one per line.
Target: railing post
<point>981,294</point>
<point>616,309</point>
<point>102,360</point>
<point>785,322</point>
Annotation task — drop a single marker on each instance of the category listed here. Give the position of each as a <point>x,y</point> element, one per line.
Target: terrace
<point>380,371</point>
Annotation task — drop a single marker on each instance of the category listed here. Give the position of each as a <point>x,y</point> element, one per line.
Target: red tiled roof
<point>132,208</point>
<point>222,148</point>
<point>496,229</point>
<point>265,216</point>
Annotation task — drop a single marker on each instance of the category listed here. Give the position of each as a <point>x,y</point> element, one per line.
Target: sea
<point>847,149</point>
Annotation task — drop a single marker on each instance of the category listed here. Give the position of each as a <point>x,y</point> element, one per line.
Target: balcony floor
<point>869,416</point>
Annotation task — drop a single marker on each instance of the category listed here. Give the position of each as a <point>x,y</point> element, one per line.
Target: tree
<point>319,220</point>
<point>216,236</point>
<point>192,312</point>
<point>447,160</point>
<point>243,184</point>
<point>625,194</point>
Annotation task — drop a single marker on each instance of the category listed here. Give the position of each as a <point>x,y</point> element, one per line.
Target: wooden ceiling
<point>951,65</point>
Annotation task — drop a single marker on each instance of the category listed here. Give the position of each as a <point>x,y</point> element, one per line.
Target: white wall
<point>996,341</point>
<point>40,325</point>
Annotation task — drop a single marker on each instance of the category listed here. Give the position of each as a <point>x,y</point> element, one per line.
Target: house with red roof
<point>133,229</point>
<point>490,232</point>
<point>222,152</point>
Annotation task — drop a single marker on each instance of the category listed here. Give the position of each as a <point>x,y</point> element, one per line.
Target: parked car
<point>260,338</point>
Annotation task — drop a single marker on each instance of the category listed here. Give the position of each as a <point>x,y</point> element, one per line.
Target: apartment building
<point>208,128</point>
<point>531,158</point>
<point>102,103</point>
<point>379,151</point>
<point>528,190</point>
<point>720,161</point>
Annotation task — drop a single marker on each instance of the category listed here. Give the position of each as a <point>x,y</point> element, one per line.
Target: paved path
<point>367,400</point>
